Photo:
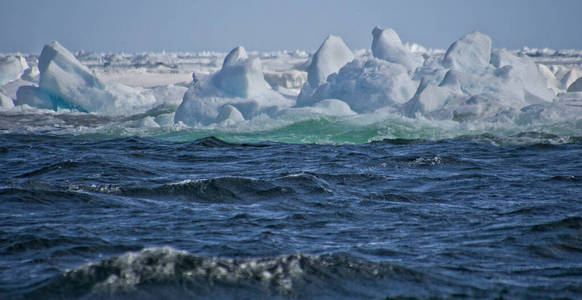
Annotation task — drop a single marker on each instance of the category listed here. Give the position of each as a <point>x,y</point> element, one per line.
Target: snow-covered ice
<point>238,91</point>
<point>387,45</point>
<point>5,102</point>
<point>470,53</point>
<point>366,84</point>
<point>470,83</point>
<point>65,83</point>
<point>329,58</point>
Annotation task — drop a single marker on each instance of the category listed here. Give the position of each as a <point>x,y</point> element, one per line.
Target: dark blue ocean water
<point>139,218</point>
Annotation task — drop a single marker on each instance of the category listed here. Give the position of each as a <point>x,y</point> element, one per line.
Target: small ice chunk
<point>235,56</point>
<point>238,91</point>
<point>329,58</point>
<point>333,107</point>
<point>229,115</point>
<point>366,84</point>
<point>326,107</point>
<point>387,45</point>
<point>241,76</point>
<point>470,53</point>
<point>34,96</point>
<point>11,68</point>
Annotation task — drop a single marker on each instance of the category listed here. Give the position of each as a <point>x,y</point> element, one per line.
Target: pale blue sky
<point>190,25</point>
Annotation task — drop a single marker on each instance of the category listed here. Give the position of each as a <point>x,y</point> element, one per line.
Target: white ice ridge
<point>65,83</point>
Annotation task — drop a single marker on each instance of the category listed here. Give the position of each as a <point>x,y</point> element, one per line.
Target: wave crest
<point>164,271</point>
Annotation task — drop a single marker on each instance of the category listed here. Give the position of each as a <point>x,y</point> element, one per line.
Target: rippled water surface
<point>470,217</point>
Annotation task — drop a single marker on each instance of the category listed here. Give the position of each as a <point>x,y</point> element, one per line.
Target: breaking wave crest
<point>165,272</point>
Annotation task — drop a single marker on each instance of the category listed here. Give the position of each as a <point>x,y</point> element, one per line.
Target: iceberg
<point>12,68</point>
<point>332,55</point>
<point>387,45</point>
<point>237,92</point>
<point>65,83</point>
<point>471,53</point>
<point>241,76</point>
<point>329,58</point>
<point>367,84</point>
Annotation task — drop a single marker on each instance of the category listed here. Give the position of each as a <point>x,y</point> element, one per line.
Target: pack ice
<point>65,83</point>
<point>469,82</point>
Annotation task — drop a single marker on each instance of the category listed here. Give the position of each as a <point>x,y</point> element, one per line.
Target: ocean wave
<point>163,272</point>
<point>218,190</point>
